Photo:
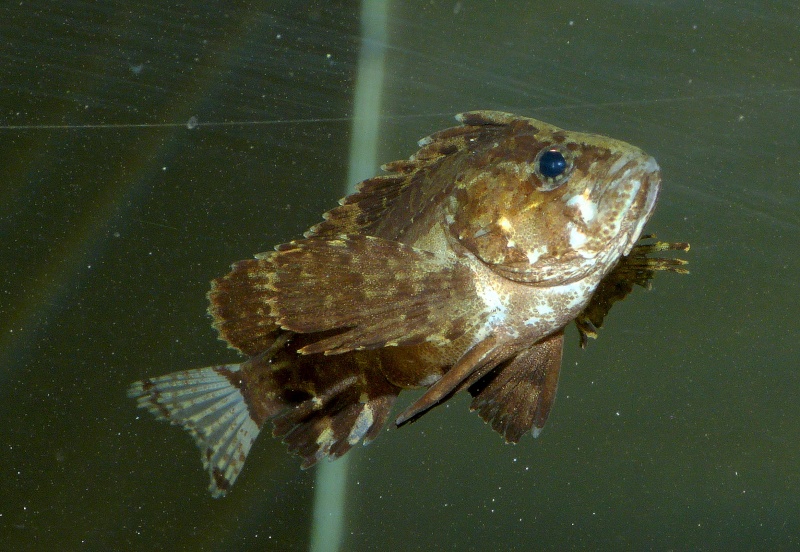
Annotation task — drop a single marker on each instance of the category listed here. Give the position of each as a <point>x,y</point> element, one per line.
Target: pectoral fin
<point>517,395</point>
<point>366,292</point>
<point>636,268</point>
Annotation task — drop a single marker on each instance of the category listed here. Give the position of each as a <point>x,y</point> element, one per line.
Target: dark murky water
<point>145,147</point>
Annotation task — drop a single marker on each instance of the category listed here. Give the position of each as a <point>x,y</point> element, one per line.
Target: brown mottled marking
<point>456,270</point>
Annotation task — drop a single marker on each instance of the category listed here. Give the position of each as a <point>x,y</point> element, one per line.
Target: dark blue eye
<point>552,163</point>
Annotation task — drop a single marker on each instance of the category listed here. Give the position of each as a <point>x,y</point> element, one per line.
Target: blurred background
<point>145,146</point>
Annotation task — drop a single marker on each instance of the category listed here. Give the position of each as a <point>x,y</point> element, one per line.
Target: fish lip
<point>648,192</point>
<point>638,206</point>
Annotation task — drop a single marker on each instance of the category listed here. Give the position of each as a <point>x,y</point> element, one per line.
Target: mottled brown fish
<point>457,270</point>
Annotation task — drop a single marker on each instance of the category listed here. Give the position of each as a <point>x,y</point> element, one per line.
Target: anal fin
<point>333,402</point>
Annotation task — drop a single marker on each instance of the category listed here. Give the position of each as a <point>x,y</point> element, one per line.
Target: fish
<point>457,269</point>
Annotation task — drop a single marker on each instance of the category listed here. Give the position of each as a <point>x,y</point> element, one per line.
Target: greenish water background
<point>677,429</point>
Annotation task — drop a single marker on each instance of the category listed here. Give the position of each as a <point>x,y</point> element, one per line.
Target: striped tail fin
<point>320,406</point>
<point>208,403</point>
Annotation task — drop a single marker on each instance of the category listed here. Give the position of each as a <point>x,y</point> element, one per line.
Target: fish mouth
<point>626,203</point>
<point>653,179</point>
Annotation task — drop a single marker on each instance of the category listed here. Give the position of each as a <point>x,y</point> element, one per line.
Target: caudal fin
<point>210,406</point>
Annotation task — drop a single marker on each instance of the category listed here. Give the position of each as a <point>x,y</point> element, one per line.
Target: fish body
<point>456,270</point>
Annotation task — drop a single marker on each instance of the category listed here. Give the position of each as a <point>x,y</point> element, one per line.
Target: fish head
<point>547,206</point>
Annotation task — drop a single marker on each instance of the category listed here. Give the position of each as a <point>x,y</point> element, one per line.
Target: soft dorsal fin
<point>241,313</point>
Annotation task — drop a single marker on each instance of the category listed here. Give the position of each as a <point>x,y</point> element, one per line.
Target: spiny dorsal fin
<point>386,205</point>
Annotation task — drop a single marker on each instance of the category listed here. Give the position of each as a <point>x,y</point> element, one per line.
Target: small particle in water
<point>457,8</point>
<point>137,69</point>
<point>192,123</point>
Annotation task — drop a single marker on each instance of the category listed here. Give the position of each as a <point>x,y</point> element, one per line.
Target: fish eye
<point>552,163</point>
